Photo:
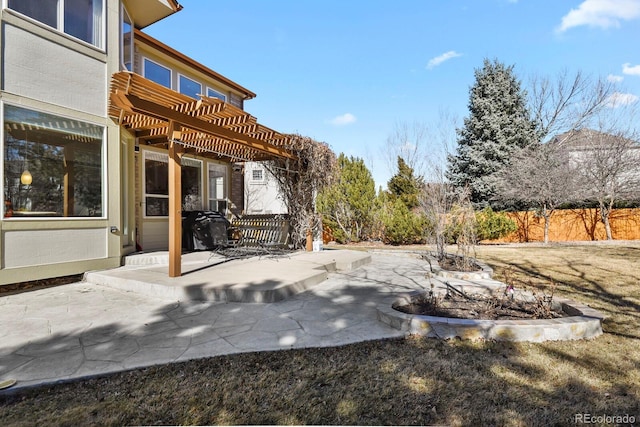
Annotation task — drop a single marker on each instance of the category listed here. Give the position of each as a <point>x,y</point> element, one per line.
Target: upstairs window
<point>189,87</point>
<point>212,93</point>
<point>157,73</point>
<point>82,19</point>
<point>126,41</point>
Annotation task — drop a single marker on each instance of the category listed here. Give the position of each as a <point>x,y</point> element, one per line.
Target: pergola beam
<point>137,105</point>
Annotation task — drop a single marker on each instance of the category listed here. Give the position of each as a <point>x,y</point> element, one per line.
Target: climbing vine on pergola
<point>299,181</point>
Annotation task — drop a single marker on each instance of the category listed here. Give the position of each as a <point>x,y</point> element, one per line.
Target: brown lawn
<point>404,381</point>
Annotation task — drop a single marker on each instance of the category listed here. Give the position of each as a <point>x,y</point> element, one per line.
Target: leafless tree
<point>438,197</point>
<point>540,176</point>
<point>300,179</point>
<point>567,102</point>
<point>608,168</point>
<point>410,141</point>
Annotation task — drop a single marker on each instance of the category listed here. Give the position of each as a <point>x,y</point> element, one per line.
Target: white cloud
<point>601,13</point>
<point>434,62</point>
<point>618,99</point>
<point>343,120</point>
<point>631,70</point>
<point>614,79</point>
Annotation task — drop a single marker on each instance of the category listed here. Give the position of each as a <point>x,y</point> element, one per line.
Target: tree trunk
<point>605,211</point>
<point>547,217</point>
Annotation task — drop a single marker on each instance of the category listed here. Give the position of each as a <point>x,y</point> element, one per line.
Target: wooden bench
<point>265,231</point>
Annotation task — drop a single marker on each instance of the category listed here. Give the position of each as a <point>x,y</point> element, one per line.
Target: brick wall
<point>236,197</point>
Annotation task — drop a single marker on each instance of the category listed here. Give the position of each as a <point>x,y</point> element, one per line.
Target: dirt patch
<point>480,307</point>
<point>34,285</point>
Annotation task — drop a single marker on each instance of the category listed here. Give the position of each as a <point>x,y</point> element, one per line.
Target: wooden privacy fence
<point>574,224</point>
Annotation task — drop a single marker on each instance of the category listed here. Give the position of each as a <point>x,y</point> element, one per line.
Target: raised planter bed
<point>582,322</point>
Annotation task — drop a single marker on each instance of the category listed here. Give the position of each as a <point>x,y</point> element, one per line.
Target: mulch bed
<point>480,307</point>
<point>34,285</point>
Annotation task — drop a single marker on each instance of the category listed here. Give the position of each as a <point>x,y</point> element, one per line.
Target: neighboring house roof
<point>146,12</point>
<point>583,139</point>
<point>157,45</point>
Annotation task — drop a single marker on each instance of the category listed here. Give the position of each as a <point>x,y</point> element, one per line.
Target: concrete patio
<point>136,316</point>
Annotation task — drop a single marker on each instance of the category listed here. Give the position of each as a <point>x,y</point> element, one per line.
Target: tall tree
<point>347,205</point>
<point>499,123</point>
<point>404,185</point>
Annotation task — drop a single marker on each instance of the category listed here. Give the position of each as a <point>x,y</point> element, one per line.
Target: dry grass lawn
<point>406,381</point>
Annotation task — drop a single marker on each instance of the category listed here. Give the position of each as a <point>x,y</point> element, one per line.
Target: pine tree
<point>347,205</point>
<point>404,185</point>
<point>499,123</point>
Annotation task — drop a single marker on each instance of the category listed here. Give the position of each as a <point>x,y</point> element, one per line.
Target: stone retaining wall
<point>583,322</point>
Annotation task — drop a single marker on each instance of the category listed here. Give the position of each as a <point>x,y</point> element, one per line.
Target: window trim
<point>180,75</point>
<point>144,59</point>
<point>221,96</point>
<point>103,167</point>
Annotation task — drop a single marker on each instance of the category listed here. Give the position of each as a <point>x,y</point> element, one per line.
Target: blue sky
<point>347,72</point>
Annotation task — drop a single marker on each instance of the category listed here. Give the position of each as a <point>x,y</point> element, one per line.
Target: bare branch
<point>567,103</point>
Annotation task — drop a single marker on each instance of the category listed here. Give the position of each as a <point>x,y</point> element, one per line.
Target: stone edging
<point>583,322</point>
<point>485,272</point>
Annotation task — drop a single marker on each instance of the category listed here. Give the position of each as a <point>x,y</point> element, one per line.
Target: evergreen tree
<point>404,185</point>
<point>347,205</point>
<point>499,123</point>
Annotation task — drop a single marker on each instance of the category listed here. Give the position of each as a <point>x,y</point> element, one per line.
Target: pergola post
<point>175,201</point>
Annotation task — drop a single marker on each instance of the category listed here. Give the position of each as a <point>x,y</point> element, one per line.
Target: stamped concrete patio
<point>135,316</point>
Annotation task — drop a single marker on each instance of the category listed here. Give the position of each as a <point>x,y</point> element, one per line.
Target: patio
<point>210,276</point>
<point>139,317</point>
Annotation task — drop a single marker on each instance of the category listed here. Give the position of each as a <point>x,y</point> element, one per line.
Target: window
<point>53,166</point>
<point>189,87</point>
<point>257,175</point>
<point>156,187</point>
<point>217,189</point>
<point>157,73</point>
<point>82,19</point>
<point>212,93</point>
<point>126,41</point>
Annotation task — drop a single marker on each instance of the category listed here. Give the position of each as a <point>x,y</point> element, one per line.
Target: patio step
<point>204,278</point>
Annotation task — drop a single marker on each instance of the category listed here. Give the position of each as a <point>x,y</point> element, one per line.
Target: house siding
<point>38,68</point>
<point>51,72</point>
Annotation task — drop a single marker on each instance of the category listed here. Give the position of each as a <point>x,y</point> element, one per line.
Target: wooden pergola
<point>207,127</point>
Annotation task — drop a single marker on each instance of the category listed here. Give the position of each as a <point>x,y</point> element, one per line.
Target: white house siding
<point>38,68</point>
<point>261,196</point>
